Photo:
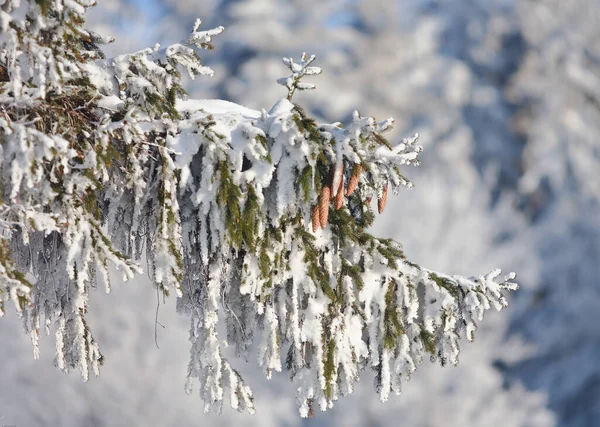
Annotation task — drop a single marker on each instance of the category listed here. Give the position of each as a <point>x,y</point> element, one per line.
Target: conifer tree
<point>257,221</point>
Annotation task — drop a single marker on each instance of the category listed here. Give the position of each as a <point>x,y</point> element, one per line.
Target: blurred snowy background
<point>506,97</point>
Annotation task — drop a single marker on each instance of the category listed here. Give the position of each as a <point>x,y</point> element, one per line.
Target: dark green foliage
<point>393,327</point>
<point>228,196</point>
<point>352,271</point>
<point>44,6</point>
<point>329,366</point>
<point>308,126</point>
<point>7,263</point>
<point>304,184</point>
<point>428,340</point>
<point>250,216</point>
<point>312,259</point>
<point>447,284</point>
<point>344,226</point>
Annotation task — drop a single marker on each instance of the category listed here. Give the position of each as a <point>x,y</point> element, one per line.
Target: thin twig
<point>156,322</point>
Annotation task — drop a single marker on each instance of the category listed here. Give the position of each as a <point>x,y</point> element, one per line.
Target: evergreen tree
<point>255,220</point>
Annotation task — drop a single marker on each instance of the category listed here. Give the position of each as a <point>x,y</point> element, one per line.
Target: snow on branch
<point>294,81</point>
<point>255,220</point>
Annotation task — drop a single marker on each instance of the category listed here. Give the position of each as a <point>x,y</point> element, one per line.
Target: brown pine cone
<point>337,177</point>
<point>311,412</point>
<point>353,183</point>
<point>316,218</point>
<point>339,197</point>
<point>324,205</point>
<point>383,200</point>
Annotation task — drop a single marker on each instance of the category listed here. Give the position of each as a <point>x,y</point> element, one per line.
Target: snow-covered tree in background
<point>255,220</point>
<point>558,85</point>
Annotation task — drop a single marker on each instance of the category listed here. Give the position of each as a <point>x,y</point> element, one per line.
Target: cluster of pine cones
<point>320,212</point>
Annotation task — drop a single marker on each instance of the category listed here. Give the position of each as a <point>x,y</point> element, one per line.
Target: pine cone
<point>324,205</point>
<point>353,183</point>
<point>339,197</point>
<point>338,177</point>
<point>311,412</point>
<point>316,218</point>
<point>383,200</point>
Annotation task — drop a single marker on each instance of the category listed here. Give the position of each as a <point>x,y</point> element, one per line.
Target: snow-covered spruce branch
<point>294,81</point>
<point>256,220</point>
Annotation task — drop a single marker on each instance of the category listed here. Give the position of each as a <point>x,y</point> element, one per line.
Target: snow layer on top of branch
<point>216,106</point>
